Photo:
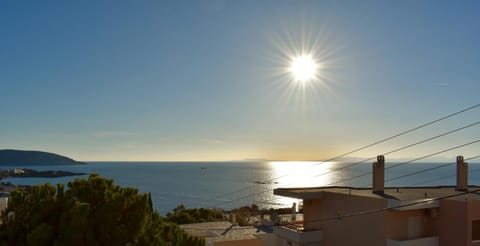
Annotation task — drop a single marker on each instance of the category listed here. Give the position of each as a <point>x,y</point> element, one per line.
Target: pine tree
<point>90,212</point>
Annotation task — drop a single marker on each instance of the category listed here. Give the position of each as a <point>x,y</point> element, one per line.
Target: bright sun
<point>303,68</point>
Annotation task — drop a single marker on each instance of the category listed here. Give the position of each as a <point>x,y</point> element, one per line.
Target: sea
<point>227,185</point>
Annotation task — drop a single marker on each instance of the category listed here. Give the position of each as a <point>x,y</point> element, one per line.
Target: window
<point>475,230</point>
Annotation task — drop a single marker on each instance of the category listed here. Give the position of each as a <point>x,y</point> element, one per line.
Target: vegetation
<point>244,214</point>
<point>29,173</point>
<point>89,212</point>
<point>182,215</point>
<point>10,157</point>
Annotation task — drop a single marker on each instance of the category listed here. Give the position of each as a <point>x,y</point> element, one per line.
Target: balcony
<point>424,241</point>
<point>295,233</point>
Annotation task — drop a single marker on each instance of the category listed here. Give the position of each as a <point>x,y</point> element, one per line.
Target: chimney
<point>462,174</point>
<point>378,175</point>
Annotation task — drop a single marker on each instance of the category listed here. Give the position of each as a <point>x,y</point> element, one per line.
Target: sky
<point>208,80</point>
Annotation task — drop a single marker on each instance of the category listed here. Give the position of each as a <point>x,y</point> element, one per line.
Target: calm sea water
<point>234,184</point>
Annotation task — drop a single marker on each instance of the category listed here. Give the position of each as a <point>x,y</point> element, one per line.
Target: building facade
<point>395,216</point>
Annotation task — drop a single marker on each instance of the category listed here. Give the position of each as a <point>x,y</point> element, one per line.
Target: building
<point>18,171</point>
<point>396,216</point>
<point>224,233</point>
<point>3,201</point>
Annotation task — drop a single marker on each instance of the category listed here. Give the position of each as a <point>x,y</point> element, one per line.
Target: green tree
<point>89,212</point>
<point>183,215</point>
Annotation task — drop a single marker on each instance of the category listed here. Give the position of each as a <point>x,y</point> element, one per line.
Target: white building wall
<point>3,203</point>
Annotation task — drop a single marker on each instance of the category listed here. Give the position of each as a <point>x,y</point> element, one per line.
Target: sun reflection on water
<point>289,174</point>
<point>302,173</point>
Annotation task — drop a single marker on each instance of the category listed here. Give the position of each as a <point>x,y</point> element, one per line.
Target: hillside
<point>32,158</point>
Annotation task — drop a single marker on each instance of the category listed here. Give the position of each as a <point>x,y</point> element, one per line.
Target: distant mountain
<point>32,158</point>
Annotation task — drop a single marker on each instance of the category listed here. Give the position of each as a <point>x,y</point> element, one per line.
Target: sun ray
<point>303,61</point>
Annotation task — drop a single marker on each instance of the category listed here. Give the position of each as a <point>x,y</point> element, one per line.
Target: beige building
<point>3,201</point>
<point>397,216</point>
<point>18,171</point>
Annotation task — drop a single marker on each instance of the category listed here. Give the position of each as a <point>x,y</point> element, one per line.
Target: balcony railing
<point>424,241</point>
<point>295,232</point>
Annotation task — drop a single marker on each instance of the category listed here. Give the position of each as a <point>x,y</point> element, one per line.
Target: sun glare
<point>303,68</point>
<point>300,174</point>
<point>303,59</point>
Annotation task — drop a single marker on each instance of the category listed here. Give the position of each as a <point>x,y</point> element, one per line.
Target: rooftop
<point>395,193</point>
<point>221,231</point>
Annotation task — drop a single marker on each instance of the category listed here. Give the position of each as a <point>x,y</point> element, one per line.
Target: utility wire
<point>436,153</point>
<point>410,161</point>
<point>448,176</point>
<point>423,171</point>
<point>364,212</point>
<point>340,217</point>
<point>371,211</point>
<point>361,175</point>
<point>410,204</point>
<point>443,177</point>
<point>356,150</point>
<point>401,148</point>
<point>390,152</point>
<point>418,172</point>
<point>405,132</point>
<point>427,170</point>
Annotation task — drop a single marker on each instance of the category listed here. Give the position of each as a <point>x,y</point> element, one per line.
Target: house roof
<point>221,231</point>
<point>390,193</point>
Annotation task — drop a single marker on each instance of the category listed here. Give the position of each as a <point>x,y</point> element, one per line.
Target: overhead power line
<point>436,153</point>
<point>402,148</point>
<point>390,152</point>
<point>361,175</point>
<point>355,150</point>
<point>406,162</point>
<point>365,212</point>
<point>370,211</point>
<point>415,173</point>
<point>427,170</point>
<point>448,176</point>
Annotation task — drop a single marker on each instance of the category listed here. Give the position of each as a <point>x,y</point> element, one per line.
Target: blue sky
<point>206,80</point>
